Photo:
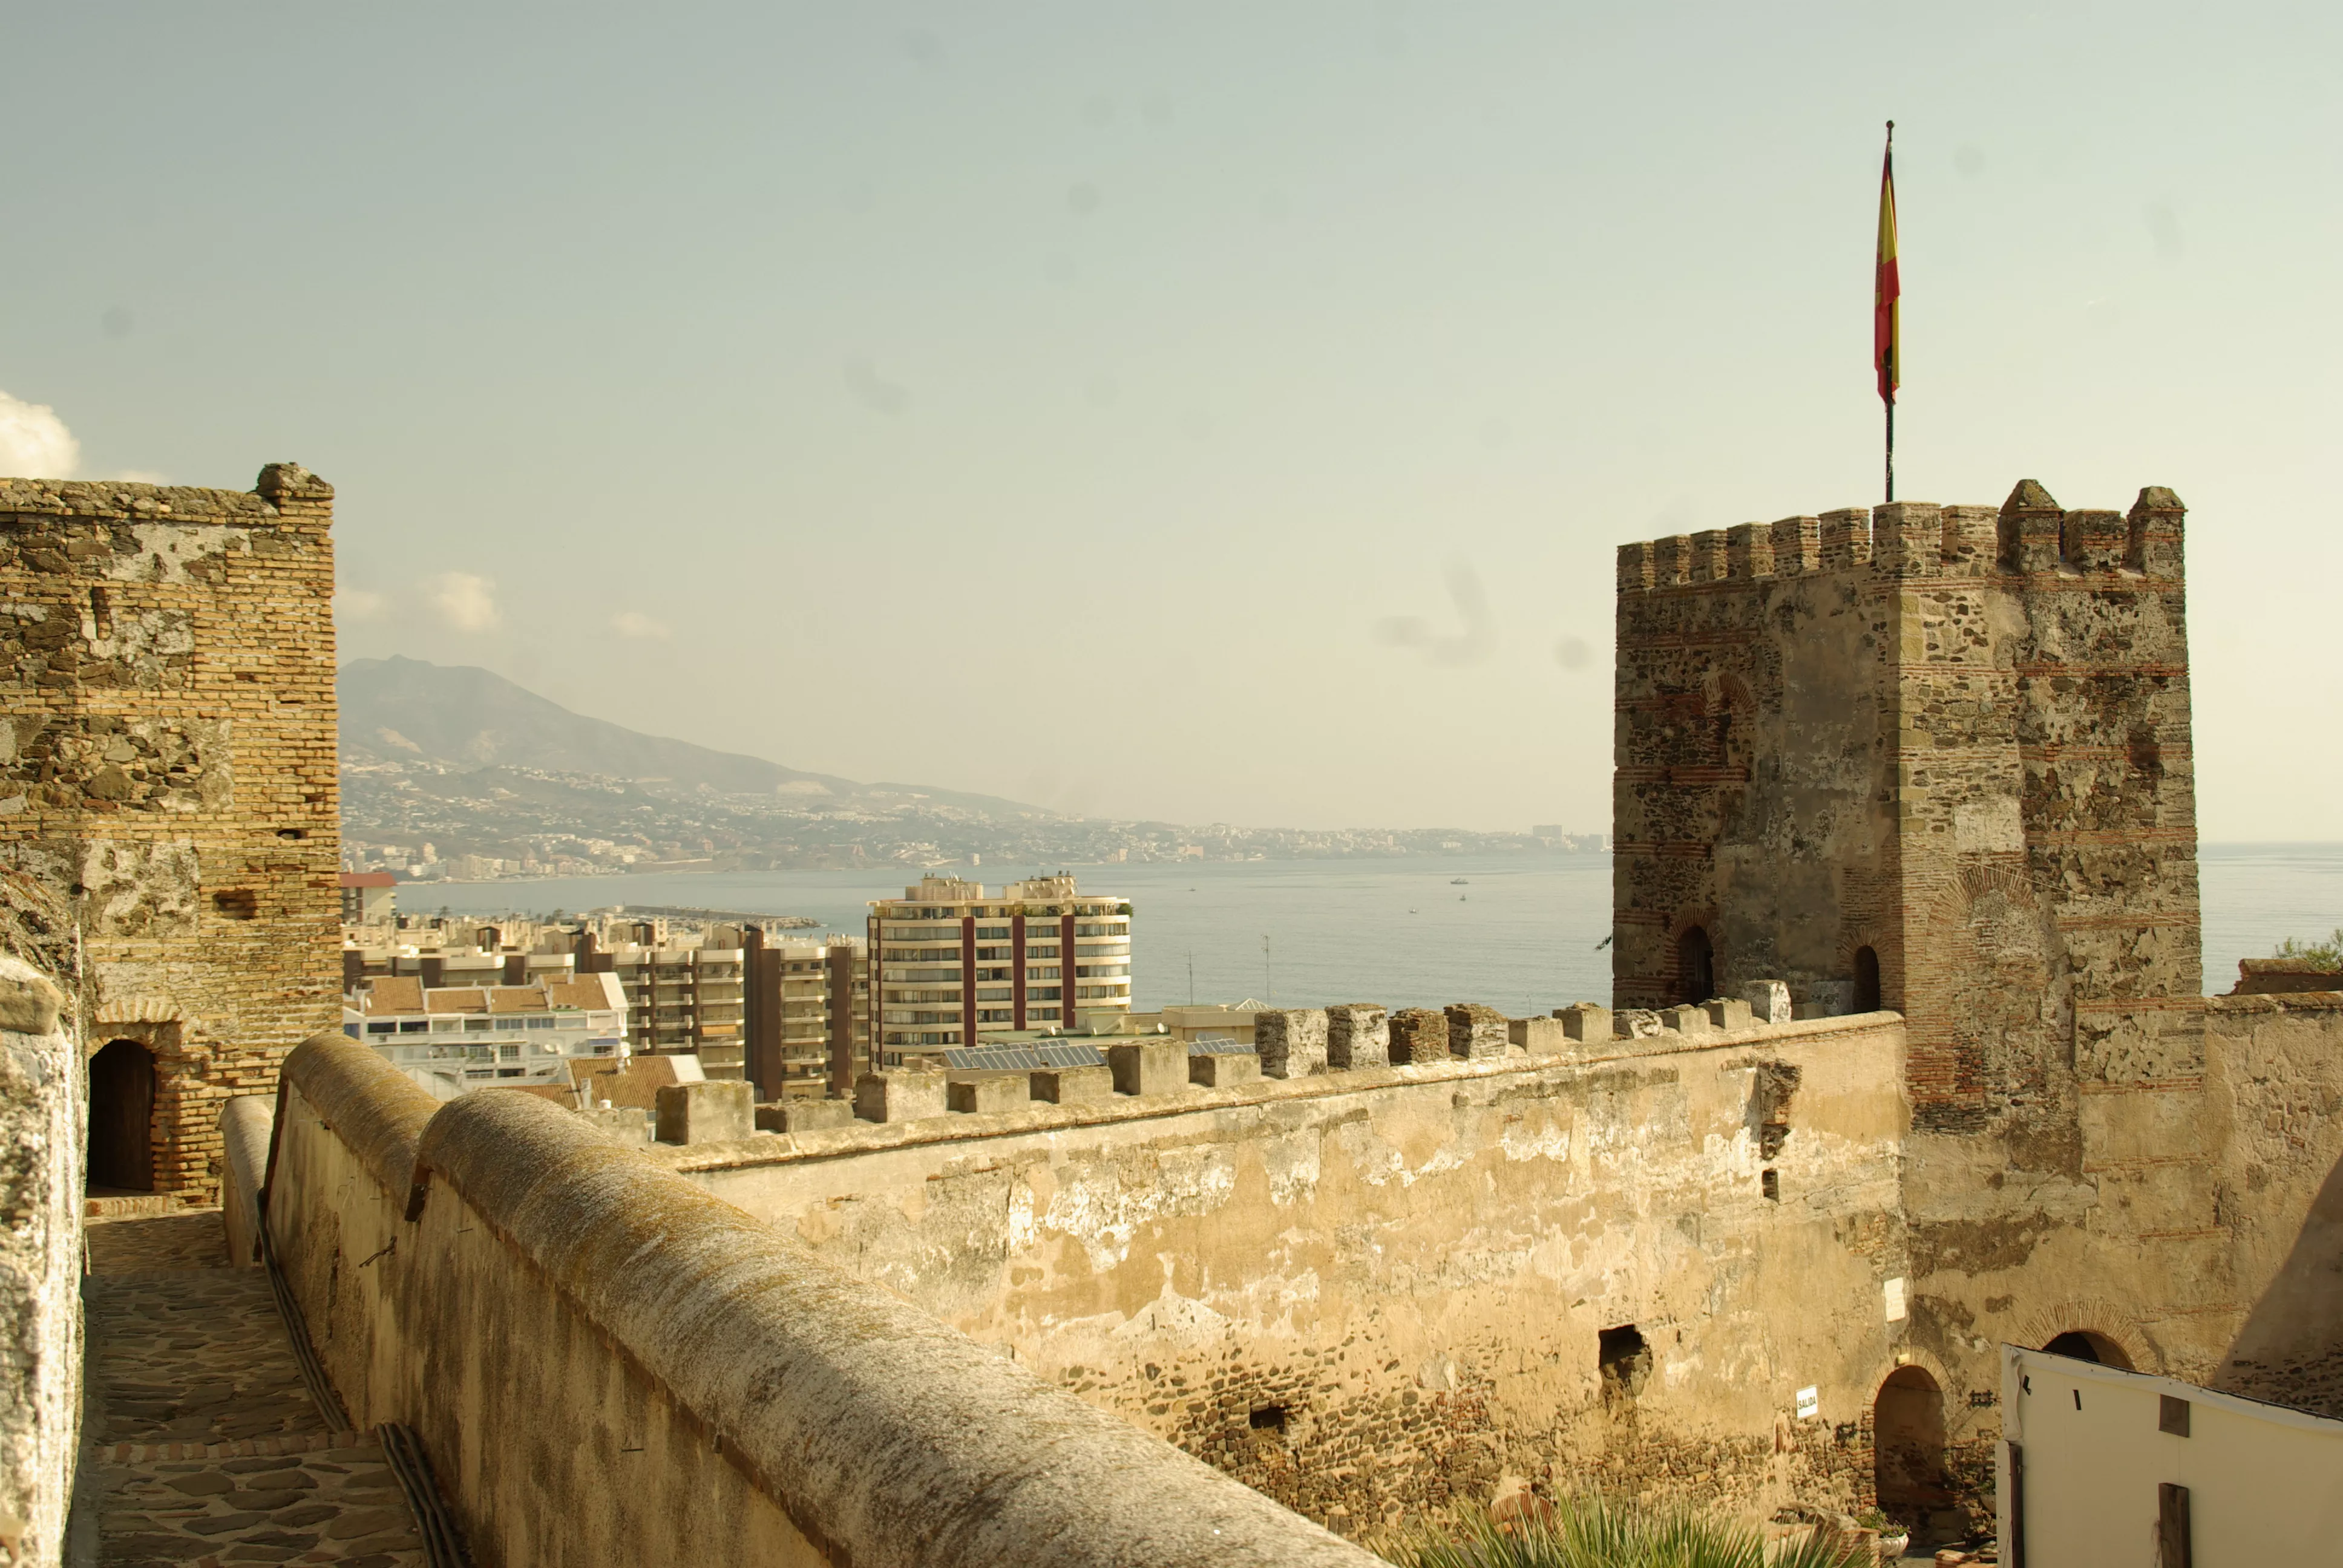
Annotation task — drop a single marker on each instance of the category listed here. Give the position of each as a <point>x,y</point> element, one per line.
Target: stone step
<point>129,1205</point>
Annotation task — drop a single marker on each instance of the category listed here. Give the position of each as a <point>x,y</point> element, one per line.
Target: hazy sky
<point>1200,411</point>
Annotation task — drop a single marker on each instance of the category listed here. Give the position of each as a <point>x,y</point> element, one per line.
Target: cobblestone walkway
<point>204,1445</point>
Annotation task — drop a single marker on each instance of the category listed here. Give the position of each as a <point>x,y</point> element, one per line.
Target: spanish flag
<point>1887,335</point>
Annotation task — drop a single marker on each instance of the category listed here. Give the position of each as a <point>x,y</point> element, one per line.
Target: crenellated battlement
<point>2029,534</point>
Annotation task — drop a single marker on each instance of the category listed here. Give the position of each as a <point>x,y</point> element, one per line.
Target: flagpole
<point>1891,386</point>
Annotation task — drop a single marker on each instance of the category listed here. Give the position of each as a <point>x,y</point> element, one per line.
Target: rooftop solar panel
<point>1021,1058</point>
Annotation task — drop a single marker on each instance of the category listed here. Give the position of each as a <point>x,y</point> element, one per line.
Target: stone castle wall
<point>606,1364</point>
<point>168,764</point>
<point>1376,1291</point>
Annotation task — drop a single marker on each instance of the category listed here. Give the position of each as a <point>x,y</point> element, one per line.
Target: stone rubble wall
<point>168,762</point>
<point>605,1364</point>
<point>1375,1292</point>
<point>41,1120</point>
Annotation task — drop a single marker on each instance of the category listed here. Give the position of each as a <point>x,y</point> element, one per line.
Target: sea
<point>1523,934</point>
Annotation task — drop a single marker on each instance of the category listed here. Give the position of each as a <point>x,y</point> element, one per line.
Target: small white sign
<point>1810,1403</point>
<point>1895,1293</point>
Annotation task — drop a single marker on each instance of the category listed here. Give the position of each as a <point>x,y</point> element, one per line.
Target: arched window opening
<point>1907,1424</point>
<point>1695,968</point>
<point>2083,1345</point>
<point>1866,980</point>
<point>122,1118</point>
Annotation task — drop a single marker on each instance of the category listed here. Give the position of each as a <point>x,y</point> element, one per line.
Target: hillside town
<point>429,822</point>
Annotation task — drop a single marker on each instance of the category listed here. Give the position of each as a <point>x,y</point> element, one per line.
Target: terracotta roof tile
<point>395,993</point>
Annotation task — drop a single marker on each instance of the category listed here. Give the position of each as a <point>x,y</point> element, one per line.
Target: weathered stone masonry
<point>168,762</point>
<point>1942,754</point>
<point>1375,1291</point>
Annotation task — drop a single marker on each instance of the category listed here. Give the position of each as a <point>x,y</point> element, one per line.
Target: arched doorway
<point>1907,1444</point>
<point>1866,980</point>
<point>2083,1345</point>
<point>122,1117</point>
<point>1695,968</point>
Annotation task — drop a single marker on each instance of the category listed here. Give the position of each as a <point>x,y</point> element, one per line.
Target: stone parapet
<point>987,1096</point>
<point>898,1096</point>
<point>1224,1070</point>
<point>1417,1034</point>
<point>245,1124</point>
<point>1151,1066</point>
<point>1476,1033</point>
<point>760,1405</point>
<point>1192,1095</point>
<point>712,1111</point>
<point>1290,1043</point>
<point>1358,1035</point>
<point>1287,1273</point>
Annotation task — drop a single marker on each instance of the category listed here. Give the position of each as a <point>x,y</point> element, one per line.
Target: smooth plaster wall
<point>1414,1264</point>
<point>2263,1482</point>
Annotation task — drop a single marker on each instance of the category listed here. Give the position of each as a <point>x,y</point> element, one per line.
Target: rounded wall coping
<point>888,1437</point>
<point>371,1106</point>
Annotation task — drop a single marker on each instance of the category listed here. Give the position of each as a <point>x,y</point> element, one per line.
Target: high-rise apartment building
<point>808,1015</point>
<point>685,999</point>
<point>955,963</point>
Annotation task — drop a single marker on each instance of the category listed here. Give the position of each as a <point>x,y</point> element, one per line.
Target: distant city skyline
<point>1307,364</point>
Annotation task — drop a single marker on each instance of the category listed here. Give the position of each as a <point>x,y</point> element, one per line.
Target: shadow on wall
<point>2290,1349</point>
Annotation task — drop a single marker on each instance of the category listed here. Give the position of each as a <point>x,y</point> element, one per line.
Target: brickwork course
<point>168,764</point>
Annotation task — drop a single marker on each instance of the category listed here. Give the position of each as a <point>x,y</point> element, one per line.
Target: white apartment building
<point>955,963</point>
<point>454,1038</point>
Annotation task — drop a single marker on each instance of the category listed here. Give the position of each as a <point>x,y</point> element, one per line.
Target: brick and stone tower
<point>1931,759</point>
<point>1936,760</point>
<point>168,764</point>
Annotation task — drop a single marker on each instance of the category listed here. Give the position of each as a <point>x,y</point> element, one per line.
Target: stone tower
<point>168,764</point>
<point>1930,759</point>
<point>1936,760</point>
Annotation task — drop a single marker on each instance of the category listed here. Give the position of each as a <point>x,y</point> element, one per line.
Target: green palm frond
<point>1594,1532</point>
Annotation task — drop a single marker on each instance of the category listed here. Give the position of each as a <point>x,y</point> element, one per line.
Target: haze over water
<point>1520,933</point>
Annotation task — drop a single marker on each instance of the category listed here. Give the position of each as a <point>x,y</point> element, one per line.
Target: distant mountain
<point>400,709</point>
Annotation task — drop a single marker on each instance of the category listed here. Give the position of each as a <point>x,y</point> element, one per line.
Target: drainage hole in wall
<point>1267,1418</point>
<point>1624,1360</point>
<point>1770,1181</point>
